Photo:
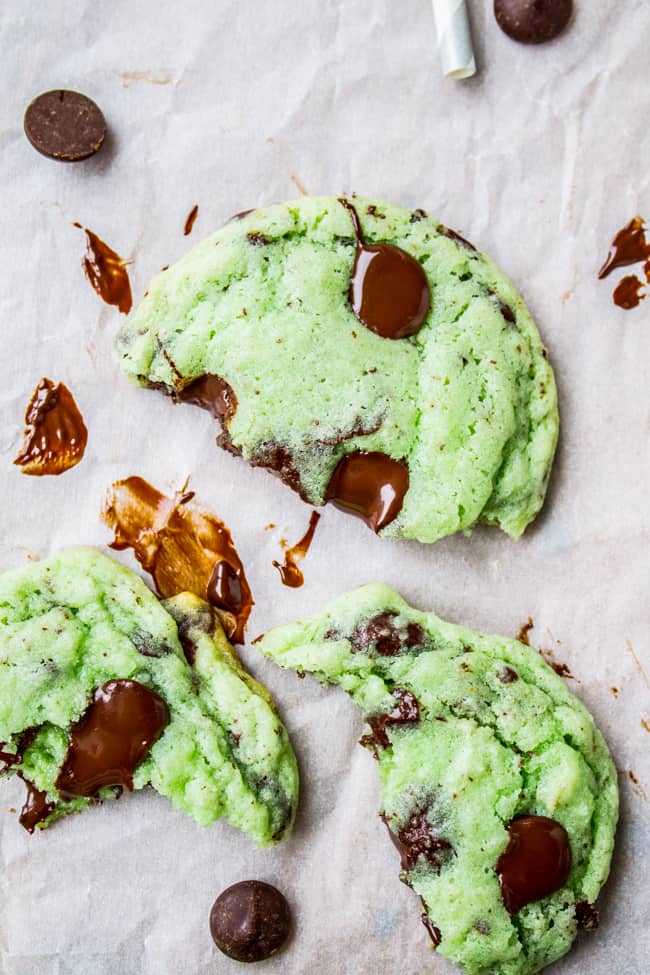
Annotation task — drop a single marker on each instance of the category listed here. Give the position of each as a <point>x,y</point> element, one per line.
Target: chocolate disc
<point>535,863</point>
<point>250,921</point>
<point>65,125</point>
<point>533,21</point>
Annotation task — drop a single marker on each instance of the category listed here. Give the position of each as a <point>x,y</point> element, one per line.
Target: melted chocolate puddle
<point>630,246</point>
<point>112,738</point>
<point>389,291</point>
<point>370,485</point>
<point>536,862</point>
<point>191,217</point>
<point>289,571</point>
<point>106,272</point>
<point>183,546</point>
<point>55,434</point>
<point>36,807</point>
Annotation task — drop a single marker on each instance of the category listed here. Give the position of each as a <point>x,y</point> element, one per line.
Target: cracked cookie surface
<point>256,325</point>
<point>83,643</point>
<point>477,741</point>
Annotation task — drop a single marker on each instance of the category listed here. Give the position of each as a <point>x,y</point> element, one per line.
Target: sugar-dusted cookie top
<point>497,787</point>
<point>102,687</point>
<point>368,355</point>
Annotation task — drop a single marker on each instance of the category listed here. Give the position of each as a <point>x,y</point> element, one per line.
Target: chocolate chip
<point>250,921</point>
<point>417,838</point>
<point>65,125</point>
<point>383,635</point>
<point>535,863</point>
<point>405,711</point>
<point>533,21</point>
<point>371,485</point>
<point>587,916</point>
<point>507,675</point>
<point>258,239</point>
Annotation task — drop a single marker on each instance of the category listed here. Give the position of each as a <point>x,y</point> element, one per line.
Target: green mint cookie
<point>103,687</point>
<point>497,787</point>
<point>368,355</point>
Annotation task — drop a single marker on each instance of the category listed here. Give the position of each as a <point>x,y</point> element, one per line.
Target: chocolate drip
<point>628,247</point>
<point>370,485</point>
<point>106,272</point>
<point>36,807</point>
<point>628,292</point>
<point>55,435</point>
<point>183,546</point>
<point>535,863</point>
<point>112,738</point>
<point>191,217</point>
<point>289,570</point>
<point>389,291</point>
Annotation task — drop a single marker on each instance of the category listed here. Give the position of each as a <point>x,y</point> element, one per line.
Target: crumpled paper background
<point>538,160</point>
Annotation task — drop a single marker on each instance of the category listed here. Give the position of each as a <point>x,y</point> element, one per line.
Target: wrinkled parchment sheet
<point>234,104</point>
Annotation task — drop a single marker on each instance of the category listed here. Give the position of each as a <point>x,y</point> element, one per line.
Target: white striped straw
<point>454,38</point>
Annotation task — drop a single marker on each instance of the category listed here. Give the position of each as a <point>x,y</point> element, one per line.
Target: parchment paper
<point>236,103</point>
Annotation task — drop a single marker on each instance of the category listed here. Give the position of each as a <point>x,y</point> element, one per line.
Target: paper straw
<point>454,38</point>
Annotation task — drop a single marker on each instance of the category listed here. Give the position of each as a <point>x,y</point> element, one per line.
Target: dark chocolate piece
<point>533,21</point>
<point>417,839</point>
<point>250,921</point>
<point>184,547</point>
<point>289,570</point>
<point>106,272</point>
<point>55,435</point>
<point>385,636</point>
<point>389,291</point>
<point>507,675</point>
<point>406,711</point>
<point>189,222</point>
<point>587,916</point>
<point>65,125</point>
<point>112,738</point>
<point>370,485</point>
<point>535,863</point>
<point>211,393</point>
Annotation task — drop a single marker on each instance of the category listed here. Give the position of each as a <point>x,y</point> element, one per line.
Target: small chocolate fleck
<point>55,435</point>
<point>65,125</point>
<point>454,235</point>
<point>533,21</point>
<point>106,272</point>
<point>434,932</point>
<point>507,675</point>
<point>250,921</point>
<point>257,239</point>
<point>524,630</point>
<point>535,863</point>
<point>189,222</point>
<point>240,215</point>
<point>418,215</point>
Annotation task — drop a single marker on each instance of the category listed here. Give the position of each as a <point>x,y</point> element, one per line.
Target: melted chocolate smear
<point>191,217</point>
<point>184,547</point>
<point>389,291</point>
<point>55,435</point>
<point>388,639</point>
<point>106,272</point>
<point>536,862</point>
<point>112,738</point>
<point>370,485</point>
<point>36,807</point>
<point>417,839</point>
<point>630,246</point>
<point>406,711</point>
<point>434,932</point>
<point>289,570</point>
<point>250,921</point>
<point>587,916</point>
<point>25,740</point>
<point>629,292</point>
<point>533,21</point>
<point>211,393</point>
<point>524,630</point>
<point>276,458</point>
